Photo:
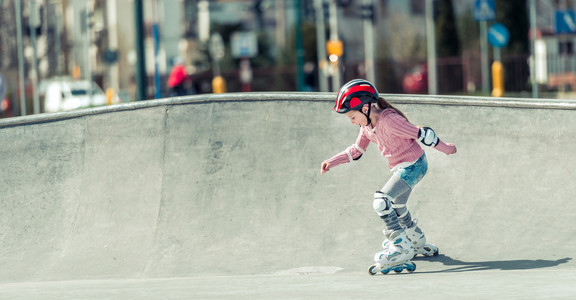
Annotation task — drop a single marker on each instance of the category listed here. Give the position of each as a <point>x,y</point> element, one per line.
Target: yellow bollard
<point>218,85</point>
<point>76,72</point>
<point>109,96</point>
<point>497,79</point>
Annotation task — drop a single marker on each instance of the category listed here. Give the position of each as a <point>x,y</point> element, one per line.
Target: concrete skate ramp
<point>230,185</point>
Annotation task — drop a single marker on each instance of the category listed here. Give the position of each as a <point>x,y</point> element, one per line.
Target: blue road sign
<point>498,35</point>
<point>565,21</point>
<point>484,10</point>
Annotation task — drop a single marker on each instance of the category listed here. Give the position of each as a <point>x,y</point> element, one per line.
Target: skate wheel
<point>411,267</point>
<point>399,268</point>
<point>385,271</point>
<point>371,270</point>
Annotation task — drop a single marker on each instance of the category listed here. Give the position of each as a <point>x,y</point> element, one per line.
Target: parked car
<point>65,95</point>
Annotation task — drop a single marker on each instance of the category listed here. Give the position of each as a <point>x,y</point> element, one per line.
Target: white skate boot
<point>397,253</point>
<point>418,239</point>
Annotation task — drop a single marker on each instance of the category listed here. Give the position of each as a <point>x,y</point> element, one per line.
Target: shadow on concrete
<point>463,266</point>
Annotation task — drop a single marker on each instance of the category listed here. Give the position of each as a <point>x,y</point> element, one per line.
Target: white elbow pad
<point>428,137</point>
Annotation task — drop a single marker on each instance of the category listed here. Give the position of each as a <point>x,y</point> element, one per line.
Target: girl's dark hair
<point>383,104</point>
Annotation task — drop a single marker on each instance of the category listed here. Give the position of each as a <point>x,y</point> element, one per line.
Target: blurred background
<point>59,55</point>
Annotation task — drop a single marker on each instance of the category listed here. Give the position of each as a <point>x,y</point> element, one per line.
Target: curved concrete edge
<point>198,99</point>
<point>562,104</point>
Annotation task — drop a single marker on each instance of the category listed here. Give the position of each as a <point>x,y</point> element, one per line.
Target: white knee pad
<point>382,204</point>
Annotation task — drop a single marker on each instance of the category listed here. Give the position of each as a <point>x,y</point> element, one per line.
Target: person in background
<point>177,79</point>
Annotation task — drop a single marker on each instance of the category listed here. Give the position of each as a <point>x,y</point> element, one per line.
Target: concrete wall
<point>230,184</point>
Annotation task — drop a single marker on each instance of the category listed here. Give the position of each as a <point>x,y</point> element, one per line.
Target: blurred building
<point>95,40</point>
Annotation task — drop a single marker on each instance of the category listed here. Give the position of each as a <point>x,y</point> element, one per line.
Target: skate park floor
<point>220,197</point>
<point>432,280</point>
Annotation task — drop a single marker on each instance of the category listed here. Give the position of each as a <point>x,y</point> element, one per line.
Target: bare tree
<point>8,54</point>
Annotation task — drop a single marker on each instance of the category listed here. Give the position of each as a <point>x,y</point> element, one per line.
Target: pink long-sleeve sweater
<point>396,140</point>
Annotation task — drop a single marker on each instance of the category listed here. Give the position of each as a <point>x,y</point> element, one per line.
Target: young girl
<point>396,137</point>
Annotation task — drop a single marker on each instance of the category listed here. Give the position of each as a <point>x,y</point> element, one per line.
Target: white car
<point>68,95</point>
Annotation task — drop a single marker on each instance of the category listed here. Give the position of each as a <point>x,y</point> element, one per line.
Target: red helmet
<point>354,94</point>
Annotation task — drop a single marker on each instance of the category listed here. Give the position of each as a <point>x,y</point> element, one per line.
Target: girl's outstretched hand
<point>453,149</point>
<point>325,167</point>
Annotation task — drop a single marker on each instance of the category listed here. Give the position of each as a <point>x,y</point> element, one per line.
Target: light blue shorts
<point>413,173</point>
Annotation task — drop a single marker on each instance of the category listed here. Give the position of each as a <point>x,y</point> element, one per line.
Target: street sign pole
<point>484,11</point>
<point>498,36</point>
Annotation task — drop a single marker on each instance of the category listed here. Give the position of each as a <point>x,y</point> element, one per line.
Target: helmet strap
<point>368,115</point>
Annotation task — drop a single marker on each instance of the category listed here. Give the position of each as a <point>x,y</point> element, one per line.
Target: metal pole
<point>497,56</point>
<point>334,37</point>
<point>88,44</point>
<point>156,35</point>
<point>21,79</point>
<point>280,23</point>
<point>157,84</point>
<point>34,22</point>
<point>58,36</point>
<point>140,55</point>
<point>203,21</point>
<point>299,47</point>
<point>431,48</point>
<point>533,28</point>
<point>369,40</point>
<point>484,56</point>
<point>321,45</point>
<point>113,70</point>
